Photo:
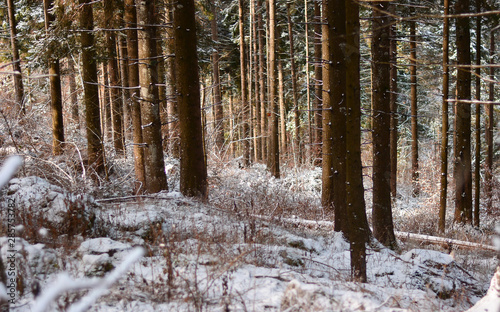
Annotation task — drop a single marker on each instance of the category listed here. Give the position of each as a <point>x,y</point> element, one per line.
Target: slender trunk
<point>16,60</point>
<point>55,85</point>
<point>219,113</point>
<point>383,227</point>
<point>318,91</point>
<point>114,82</point>
<point>124,81</point>
<point>162,89</point>
<point>488,183</point>
<point>274,152</point>
<point>359,231</point>
<point>75,114</point>
<point>281,99</point>
<point>256,68</point>
<point>414,109</point>
<point>106,103</point>
<point>244,86</point>
<point>444,130</point>
<point>172,106</point>
<point>154,166</point>
<point>463,174</point>
<point>393,99</point>
<point>308,82</point>
<point>477,168</point>
<point>91,91</point>
<point>193,170</point>
<point>262,82</point>
<point>296,112</point>
<point>130,18</point>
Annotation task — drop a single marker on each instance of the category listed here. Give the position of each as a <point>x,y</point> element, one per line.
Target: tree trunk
<point>414,109</point>
<point>16,61</point>
<point>75,112</point>
<point>193,167</point>
<point>55,84</point>
<point>162,90</point>
<point>296,112</point>
<point>219,113</point>
<point>488,177</point>
<point>262,82</point>
<point>477,166</point>
<point>130,18</point>
<point>124,82</point>
<point>444,112</point>
<point>274,152</point>
<point>106,103</point>
<point>256,67</point>
<point>91,91</point>
<point>308,82</point>
<point>393,99</point>
<point>114,81</point>
<point>244,86</point>
<point>172,106</point>
<point>281,100</point>
<point>358,225</point>
<point>318,90</point>
<point>154,165</point>
<point>463,174</point>
<point>383,227</point>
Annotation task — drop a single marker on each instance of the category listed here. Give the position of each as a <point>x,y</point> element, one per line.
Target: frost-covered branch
<point>99,287</point>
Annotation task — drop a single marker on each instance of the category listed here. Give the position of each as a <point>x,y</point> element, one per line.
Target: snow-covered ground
<point>235,253</point>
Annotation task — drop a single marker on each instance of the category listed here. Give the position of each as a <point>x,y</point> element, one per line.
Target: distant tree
<point>114,81</point>
<point>414,107</point>
<point>296,111</point>
<point>91,91</point>
<point>318,90</point>
<point>393,99</point>
<point>130,19</point>
<point>463,174</point>
<point>488,177</point>
<point>383,228</point>
<point>256,70</point>
<point>154,165</point>
<point>55,83</point>
<point>274,152</point>
<point>444,113</point>
<point>193,170</point>
<point>477,166</point>
<point>262,80</point>
<point>217,95</point>
<point>16,60</point>
<point>172,107</point>
<point>75,112</point>
<point>244,86</point>
<point>359,232</point>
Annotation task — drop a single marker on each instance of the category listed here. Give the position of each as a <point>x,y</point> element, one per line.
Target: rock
<point>490,302</point>
<point>102,245</point>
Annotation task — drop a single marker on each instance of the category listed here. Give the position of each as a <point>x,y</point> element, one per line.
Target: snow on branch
<point>9,169</point>
<point>99,286</point>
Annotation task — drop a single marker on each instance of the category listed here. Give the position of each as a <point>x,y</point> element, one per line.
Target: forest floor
<point>258,244</point>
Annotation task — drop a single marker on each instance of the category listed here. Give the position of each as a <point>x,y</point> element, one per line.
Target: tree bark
<point>91,91</point>
<point>281,100</point>
<point>274,152</point>
<point>256,69</point>
<point>154,165</point>
<point>55,84</point>
<point>359,231</point>
<point>463,174</point>
<point>444,113</point>
<point>75,112</point>
<point>16,60</point>
<point>193,179</point>
<point>383,227</point>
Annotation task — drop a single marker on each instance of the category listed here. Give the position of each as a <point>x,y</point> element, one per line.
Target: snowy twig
<point>65,283</point>
<point>9,169</point>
